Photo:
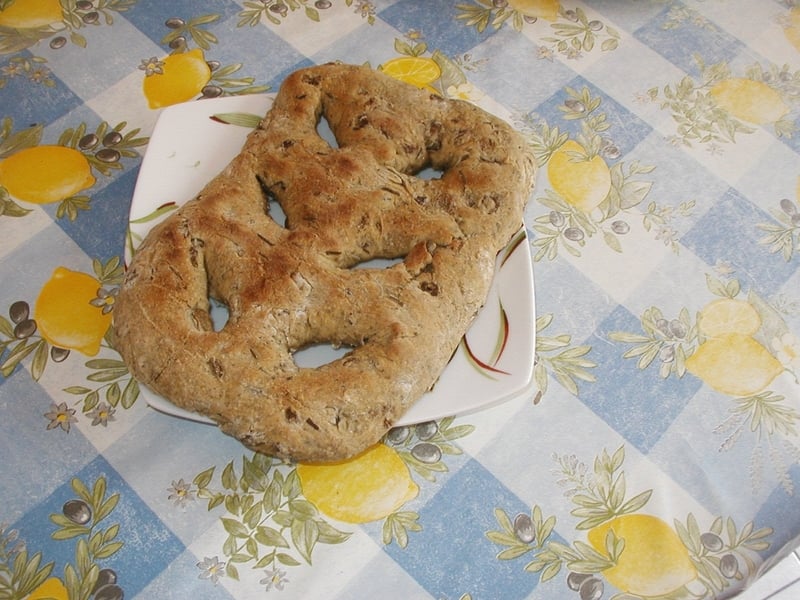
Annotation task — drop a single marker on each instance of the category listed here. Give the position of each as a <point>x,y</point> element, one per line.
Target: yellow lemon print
<point>64,315</point>
<point>49,589</point>
<point>734,364</point>
<point>792,28</point>
<point>30,14</point>
<point>582,183</point>
<point>748,100</point>
<point>369,487</point>
<point>727,315</point>
<point>45,174</point>
<point>541,9</point>
<point>183,76</point>
<point>654,562</point>
<point>418,71</point>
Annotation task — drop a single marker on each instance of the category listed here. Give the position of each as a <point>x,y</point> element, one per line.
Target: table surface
<point>657,453</point>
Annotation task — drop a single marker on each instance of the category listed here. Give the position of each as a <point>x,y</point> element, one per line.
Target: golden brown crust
<point>288,287</point>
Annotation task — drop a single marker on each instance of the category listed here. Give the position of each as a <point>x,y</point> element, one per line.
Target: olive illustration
<point>19,311</point>
<point>677,329</point>
<point>575,105</point>
<point>58,42</point>
<point>174,23</point>
<point>711,541</point>
<point>89,141</point>
<point>591,589</point>
<point>178,42</point>
<point>788,207</point>
<point>322,4</point>
<point>523,528</point>
<point>595,25</point>
<point>574,580</point>
<point>91,17</point>
<point>105,577</point>
<point>108,155</point>
<point>556,218</point>
<point>620,227</point>
<point>112,138</point>
<point>663,326</point>
<point>83,5</point>
<point>667,354</point>
<point>500,3</point>
<point>425,452</point>
<point>729,566</point>
<point>25,329</point>
<point>398,435</point>
<point>610,149</point>
<point>77,511</point>
<point>59,354</point>
<point>427,430</point>
<point>573,234</point>
<point>211,91</point>
<point>280,8</point>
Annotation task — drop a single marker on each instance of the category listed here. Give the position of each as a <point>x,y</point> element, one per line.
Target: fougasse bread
<point>294,284</point>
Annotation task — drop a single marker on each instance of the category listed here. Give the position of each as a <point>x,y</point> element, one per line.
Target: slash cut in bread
<point>293,285</point>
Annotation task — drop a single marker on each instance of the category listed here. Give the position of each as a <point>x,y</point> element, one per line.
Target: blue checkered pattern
<point>680,436</point>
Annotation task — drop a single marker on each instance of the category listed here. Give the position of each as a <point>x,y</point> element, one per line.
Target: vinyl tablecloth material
<point>656,454</point>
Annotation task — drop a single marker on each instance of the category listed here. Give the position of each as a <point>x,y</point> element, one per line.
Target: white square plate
<point>192,142</point>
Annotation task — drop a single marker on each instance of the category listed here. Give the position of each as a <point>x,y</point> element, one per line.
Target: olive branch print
<point>711,558</point>
<point>589,196</point>
<point>555,355</point>
<point>274,11</point>
<point>713,109</point>
<point>573,31</point>
<point>268,522</point>
<point>734,328</point>
<point>783,235</point>
<point>423,448</point>
<point>20,573</point>
<point>81,518</point>
<point>719,552</point>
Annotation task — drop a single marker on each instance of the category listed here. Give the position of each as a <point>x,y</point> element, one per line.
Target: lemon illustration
<point>734,364</point>
<point>541,9</point>
<point>727,315</point>
<point>367,488</point>
<point>182,78</point>
<point>792,28</point>
<point>45,174</point>
<point>417,71</point>
<point>654,561</point>
<point>748,100</point>
<point>50,589</point>
<point>30,14</point>
<point>583,183</point>
<point>64,315</point>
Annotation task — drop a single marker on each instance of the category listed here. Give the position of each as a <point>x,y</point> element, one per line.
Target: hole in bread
<point>378,263</point>
<point>316,355</point>
<point>430,173</point>
<point>273,207</point>
<point>275,210</point>
<point>219,313</point>
<point>326,133</point>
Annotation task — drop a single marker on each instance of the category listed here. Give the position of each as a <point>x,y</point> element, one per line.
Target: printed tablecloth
<point>657,453</point>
